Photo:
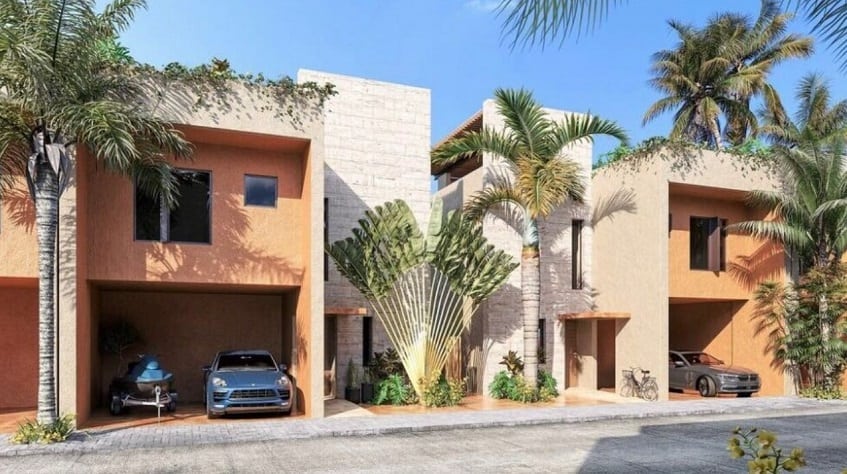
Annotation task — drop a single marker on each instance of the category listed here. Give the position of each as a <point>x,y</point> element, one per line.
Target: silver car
<point>709,375</point>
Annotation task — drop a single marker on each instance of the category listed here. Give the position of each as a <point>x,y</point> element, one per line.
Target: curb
<point>156,437</point>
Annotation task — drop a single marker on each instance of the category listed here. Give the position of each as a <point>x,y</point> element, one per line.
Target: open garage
<point>185,328</point>
<point>728,330</point>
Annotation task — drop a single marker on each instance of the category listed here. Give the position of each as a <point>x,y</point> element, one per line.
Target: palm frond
<point>540,21</point>
<point>490,197</point>
<point>472,145</point>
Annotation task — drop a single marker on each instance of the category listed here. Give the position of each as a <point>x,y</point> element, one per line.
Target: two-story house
<point>239,264</point>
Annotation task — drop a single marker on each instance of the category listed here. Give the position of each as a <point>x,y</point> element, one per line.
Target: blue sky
<point>452,47</point>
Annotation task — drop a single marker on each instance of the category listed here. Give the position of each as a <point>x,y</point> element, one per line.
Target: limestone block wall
<point>502,319</point>
<point>377,142</point>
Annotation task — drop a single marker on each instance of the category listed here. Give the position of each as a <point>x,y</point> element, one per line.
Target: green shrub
<point>514,387</point>
<point>443,393</point>
<point>765,456</point>
<point>546,386</point>
<point>823,393</point>
<point>393,390</point>
<point>501,385</point>
<point>35,432</point>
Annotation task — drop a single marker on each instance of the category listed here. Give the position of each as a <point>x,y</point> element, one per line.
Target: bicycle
<point>646,388</point>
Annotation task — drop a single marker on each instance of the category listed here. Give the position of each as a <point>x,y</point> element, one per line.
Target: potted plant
<point>353,392</point>
<point>368,382</point>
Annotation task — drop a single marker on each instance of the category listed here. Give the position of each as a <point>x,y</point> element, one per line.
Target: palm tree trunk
<point>531,300</point>
<point>46,221</point>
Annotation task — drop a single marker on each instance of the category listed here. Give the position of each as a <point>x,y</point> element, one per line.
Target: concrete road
<point>677,445</point>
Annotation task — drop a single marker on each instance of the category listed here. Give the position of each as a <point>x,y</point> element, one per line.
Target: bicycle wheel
<point>650,390</point>
<point>627,390</point>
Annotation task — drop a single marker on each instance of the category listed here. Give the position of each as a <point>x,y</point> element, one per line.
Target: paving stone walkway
<point>152,436</point>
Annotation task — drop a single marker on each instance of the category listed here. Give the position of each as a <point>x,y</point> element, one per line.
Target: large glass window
<point>707,240</point>
<point>260,190</point>
<point>189,221</point>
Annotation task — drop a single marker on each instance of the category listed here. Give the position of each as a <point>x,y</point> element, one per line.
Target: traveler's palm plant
<point>62,86</point>
<point>538,179</point>
<point>424,288</point>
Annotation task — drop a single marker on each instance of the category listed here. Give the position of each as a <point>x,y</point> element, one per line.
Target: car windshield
<point>246,362</point>
<point>701,358</point>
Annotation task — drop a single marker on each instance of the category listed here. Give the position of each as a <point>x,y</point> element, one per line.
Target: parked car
<point>709,375</point>
<point>247,382</point>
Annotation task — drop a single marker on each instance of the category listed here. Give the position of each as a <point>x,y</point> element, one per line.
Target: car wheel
<point>706,387</point>
<point>171,406</point>
<point>745,394</point>
<point>115,406</point>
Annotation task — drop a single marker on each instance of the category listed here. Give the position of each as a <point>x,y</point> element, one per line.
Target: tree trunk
<point>46,221</point>
<point>530,299</point>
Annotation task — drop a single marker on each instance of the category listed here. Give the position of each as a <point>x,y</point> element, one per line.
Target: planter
<point>367,392</point>
<point>353,394</point>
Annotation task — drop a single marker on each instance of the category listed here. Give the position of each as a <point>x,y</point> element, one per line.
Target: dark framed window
<point>576,254</point>
<point>367,339</point>
<point>188,221</point>
<point>542,340</point>
<point>326,238</point>
<point>260,190</point>
<point>707,240</point>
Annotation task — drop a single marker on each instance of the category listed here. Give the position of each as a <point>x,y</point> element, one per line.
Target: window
<point>260,191</point>
<point>367,339</point>
<point>542,341</point>
<point>707,243</point>
<point>189,221</point>
<point>576,254</point>
<point>326,238</point>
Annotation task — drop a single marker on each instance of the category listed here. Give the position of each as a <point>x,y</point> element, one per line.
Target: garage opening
<point>702,326</point>
<point>185,329</point>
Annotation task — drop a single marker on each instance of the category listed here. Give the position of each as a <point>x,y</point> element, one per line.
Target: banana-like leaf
<point>424,288</point>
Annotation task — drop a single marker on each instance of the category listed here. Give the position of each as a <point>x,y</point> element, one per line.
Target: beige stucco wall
<point>636,269</point>
<point>630,264</point>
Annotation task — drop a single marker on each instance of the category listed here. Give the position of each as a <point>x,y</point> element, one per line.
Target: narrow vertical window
<point>576,254</point>
<point>367,339</point>
<point>326,238</point>
<point>707,240</point>
<point>542,340</point>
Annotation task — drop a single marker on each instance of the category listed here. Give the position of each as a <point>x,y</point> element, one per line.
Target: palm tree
<point>61,88</point>
<point>717,70</point>
<point>696,82</point>
<point>530,22</point>
<point>810,152</point>
<point>539,180</point>
<point>812,214</point>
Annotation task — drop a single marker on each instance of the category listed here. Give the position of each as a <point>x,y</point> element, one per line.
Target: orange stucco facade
<point>251,287</point>
<point>714,311</point>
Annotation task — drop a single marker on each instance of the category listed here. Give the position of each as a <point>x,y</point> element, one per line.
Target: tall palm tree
<point>539,179</point>
<point>530,22</point>
<point>716,71</point>
<point>61,89</point>
<point>695,80</point>
<point>810,151</point>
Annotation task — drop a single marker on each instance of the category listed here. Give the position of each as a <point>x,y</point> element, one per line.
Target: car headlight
<point>218,382</point>
<point>283,382</point>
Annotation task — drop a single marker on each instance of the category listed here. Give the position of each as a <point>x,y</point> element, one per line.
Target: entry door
<point>330,356</point>
<point>573,366</point>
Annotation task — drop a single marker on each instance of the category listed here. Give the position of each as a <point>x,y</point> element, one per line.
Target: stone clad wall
<point>377,142</point>
<point>502,319</point>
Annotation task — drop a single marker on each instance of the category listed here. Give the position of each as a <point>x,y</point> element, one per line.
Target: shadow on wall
<point>230,258</point>
<point>763,264</point>
<point>20,208</point>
